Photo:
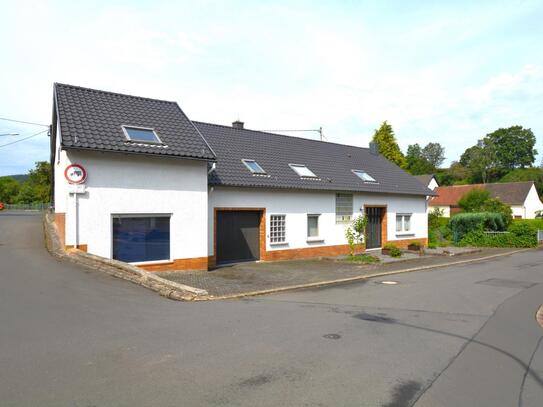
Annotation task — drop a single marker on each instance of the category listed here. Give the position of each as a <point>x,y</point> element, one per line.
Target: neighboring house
<point>429,180</point>
<point>521,196</point>
<point>163,192</point>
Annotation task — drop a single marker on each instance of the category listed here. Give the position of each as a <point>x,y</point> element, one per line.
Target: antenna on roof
<point>319,130</point>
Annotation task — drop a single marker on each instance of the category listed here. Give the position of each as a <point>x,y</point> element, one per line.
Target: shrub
<point>363,258</point>
<point>394,250</point>
<point>438,228</point>
<point>464,223</point>
<point>416,244</point>
<point>519,235</point>
<point>355,232</point>
<point>473,200</point>
<point>432,245</point>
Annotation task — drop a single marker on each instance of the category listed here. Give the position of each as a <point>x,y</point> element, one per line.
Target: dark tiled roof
<point>332,163</point>
<point>92,119</point>
<point>425,179</point>
<point>510,193</point>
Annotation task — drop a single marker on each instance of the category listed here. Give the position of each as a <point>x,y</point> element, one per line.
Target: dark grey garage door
<point>238,236</point>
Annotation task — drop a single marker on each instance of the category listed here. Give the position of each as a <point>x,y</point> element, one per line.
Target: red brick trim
<point>60,221</point>
<point>403,243</point>
<point>308,252</point>
<point>195,263</point>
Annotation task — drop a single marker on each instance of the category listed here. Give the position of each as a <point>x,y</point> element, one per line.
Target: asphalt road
<point>457,336</point>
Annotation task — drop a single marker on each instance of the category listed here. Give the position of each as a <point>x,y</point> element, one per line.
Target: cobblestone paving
<point>254,276</point>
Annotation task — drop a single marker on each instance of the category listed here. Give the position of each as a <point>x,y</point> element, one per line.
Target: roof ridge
<point>281,135</point>
<point>112,93</point>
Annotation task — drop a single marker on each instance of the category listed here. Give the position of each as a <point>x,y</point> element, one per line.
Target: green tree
<point>9,188</point>
<point>479,200</point>
<point>514,147</point>
<point>388,146</point>
<point>526,174</point>
<point>416,162</point>
<point>480,160</point>
<point>434,153</point>
<point>37,187</point>
<point>474,200</point>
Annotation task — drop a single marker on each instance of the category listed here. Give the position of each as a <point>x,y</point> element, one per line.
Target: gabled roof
<point>332,163</point>
<point>92,119</point>
<point>425,179</point>
<point>510,193</point>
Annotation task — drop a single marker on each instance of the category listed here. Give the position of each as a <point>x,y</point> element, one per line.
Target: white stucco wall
<point>132,184</point>
<point>297,204</point>
<point>532,203</point>
<point>433,184</point>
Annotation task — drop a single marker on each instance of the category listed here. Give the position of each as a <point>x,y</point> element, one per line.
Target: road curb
<point>361,278</point>
<point>119,269</point>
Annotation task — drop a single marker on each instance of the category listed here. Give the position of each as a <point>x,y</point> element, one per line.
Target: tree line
<point>35,189</point>
<point>505,155</point>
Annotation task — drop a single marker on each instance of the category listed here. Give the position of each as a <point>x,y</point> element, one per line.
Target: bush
<point>438,228</point>
<point>473,200</point>
<point>519,235</point>
<point>536,223</point>
<point>416,245</point>
<point>394,250</point>
<point>464,223</point>
<point>363,258</point>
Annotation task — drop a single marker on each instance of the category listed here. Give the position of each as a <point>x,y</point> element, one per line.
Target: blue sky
<point>438,72</point>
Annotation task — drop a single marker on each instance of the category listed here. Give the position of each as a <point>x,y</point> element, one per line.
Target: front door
<point>238,236</point>
<point>373,228</point>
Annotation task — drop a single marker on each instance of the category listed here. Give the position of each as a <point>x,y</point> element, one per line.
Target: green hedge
<point>464,223</point>
<point>521,234</point>
<point>536,223</point>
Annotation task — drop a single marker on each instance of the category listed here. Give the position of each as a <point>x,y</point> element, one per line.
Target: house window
<point>253,166</point>
<point>277,229</point>
<point>364,176</point>
<point>312,225</point>
<point>141,238</point>
<point>302,170</point>
<point>141,134</point>
<point>403,223</point>
<point>344,208</point>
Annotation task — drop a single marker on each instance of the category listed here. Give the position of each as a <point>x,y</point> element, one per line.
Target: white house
<point>136,180</point>
<point>521,196</point>
<point>429,180</point>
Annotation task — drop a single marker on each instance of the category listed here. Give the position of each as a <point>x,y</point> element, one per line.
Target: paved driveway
<point>458,336</point>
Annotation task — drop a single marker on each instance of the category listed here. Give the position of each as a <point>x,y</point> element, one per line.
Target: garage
<point>237,236</point>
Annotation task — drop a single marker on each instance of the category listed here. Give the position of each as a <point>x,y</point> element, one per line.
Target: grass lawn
<point>363,258</point>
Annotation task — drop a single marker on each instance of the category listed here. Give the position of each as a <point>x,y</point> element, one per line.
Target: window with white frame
<point>253,166</point>
<point>364,176</point>
<point>344,208</point>
<point>302,170</point>
<point>277,229</point>
<point>403,222</point>
<point>313,225</point>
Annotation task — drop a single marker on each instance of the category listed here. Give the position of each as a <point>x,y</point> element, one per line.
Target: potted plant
<point>392,250</point>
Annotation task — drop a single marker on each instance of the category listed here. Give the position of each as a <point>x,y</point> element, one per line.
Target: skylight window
<point>141,134</point>
<point>364,176</point>
<point>253,166</point>
<point>302,170</point>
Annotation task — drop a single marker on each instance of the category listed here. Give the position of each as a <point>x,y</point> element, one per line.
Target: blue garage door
<point>137,239</point>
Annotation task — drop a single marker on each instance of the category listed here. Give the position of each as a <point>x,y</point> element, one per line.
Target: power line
<point>23,139</point>
<point>20,121</point>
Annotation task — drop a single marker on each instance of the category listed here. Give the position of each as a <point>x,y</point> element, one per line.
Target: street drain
<point>332,336</point>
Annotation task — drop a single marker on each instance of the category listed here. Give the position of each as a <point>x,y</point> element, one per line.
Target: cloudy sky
<point>437,72</point>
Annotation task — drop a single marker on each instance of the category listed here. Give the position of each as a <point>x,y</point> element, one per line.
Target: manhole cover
<point>388,282</point>
<point>332,336</point>
<point>499,282</point>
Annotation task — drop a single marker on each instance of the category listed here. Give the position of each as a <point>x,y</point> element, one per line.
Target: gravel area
<point>257,276</point>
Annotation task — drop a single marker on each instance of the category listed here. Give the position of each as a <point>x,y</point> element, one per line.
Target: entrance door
<point>238,236</point>
<point>373,229</point>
